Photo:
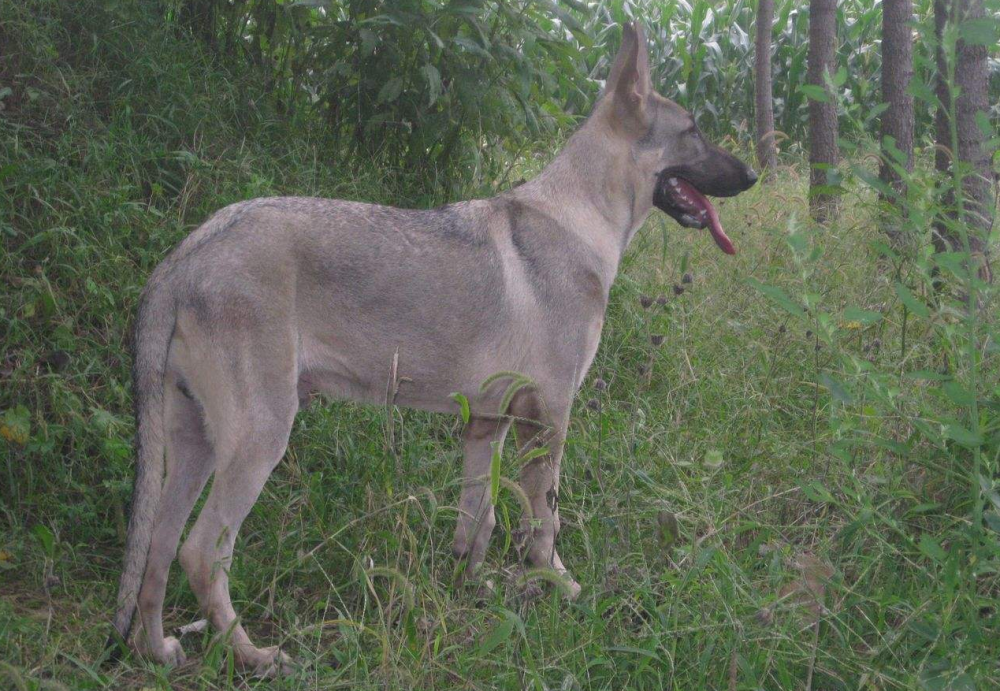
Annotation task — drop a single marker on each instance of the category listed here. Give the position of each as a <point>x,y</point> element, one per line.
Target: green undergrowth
<point>775,484</point>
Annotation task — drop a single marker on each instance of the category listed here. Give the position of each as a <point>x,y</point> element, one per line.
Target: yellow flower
<point>852,325</point>
<point>13,434</point>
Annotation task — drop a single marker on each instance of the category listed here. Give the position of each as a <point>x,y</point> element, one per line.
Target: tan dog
<point>274,299</point>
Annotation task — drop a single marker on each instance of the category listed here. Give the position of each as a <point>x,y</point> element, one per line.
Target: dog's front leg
<point>475,510</point>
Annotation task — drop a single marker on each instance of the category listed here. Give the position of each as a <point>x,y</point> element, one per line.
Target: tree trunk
<point>767,154</point>
<point>823,153</point>
<point>962,88</point>
<point>897,120</point>
<point>199,17</point>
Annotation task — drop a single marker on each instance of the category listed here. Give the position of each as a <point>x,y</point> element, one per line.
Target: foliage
<point>929,402</point>
<point>765,482</point>
<point>428,85</point>
<point>453,88</point>
<point>702,55</point>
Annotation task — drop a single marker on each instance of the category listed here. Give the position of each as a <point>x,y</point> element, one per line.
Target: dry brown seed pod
<point>765,616</point>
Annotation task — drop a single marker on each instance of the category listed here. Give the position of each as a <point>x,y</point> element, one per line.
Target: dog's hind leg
<point>475,511</point>
<point>250,442</point>
<point>189,463</point>
<point>538,427</point>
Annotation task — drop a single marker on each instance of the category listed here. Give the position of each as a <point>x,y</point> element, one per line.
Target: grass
<point>737,521</point>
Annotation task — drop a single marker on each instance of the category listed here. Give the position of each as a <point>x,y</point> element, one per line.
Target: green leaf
<point>911,301</point>
<point>993,521</point>
<point>471,46</point>
<point>463,404</point>
<point>778,295</point>
<point>963,436</point>
<point>433,83</point>
<point>927,375</point>
<point>500,634</point>
<point>368,41</point>
<point>856,314</point>
<point>578,6</point>
<point>537,452</point>
<point>390,90</point>
<point>815,491</point>
<point>649,654</point>
<point>930,547</point>
<point>15,425</point>
<point>836,387</point>
<point>963,682</point>
<point>979,32</point>
<point>495,470</point>
<point>45,538</point>
<point>815,92</point>
<point>983,122</point>
<point>704,556</point>
<point>990,493</point>
<point>958,394</point>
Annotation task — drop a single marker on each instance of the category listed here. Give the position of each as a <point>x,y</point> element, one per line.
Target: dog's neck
<point>589,190</point>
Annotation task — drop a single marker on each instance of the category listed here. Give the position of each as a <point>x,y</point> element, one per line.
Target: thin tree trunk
<point>767,153</point>
<point>199,17</point>
<point>823,152</point>
<point>897,120</point>
<point>969,81</point>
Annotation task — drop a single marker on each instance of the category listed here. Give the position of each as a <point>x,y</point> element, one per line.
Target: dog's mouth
<point>683,202</point>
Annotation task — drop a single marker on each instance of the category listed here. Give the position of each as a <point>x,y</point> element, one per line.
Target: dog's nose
<point>751,177</point>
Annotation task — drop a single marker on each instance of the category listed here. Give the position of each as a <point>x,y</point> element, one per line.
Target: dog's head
<point>672,162</point>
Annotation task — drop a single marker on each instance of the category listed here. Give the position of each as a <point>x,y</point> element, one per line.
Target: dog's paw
<point>532,583</point>
<point>172,654</point>
<point>169,652</point>
<point>572,589</point>
<point>269,663</point>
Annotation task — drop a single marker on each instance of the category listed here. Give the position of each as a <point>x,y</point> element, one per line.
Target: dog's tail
<point>153,332</point>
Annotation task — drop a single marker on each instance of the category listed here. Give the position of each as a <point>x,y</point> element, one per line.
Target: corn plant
<point>701,54</point>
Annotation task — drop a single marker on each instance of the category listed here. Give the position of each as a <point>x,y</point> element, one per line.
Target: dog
<point>492,306</point>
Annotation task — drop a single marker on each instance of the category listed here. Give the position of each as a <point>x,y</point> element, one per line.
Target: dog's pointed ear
<point>629,81</point>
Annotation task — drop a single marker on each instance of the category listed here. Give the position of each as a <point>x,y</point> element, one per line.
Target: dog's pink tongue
<point>714,226</point>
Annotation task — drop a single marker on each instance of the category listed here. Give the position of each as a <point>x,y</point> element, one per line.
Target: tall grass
<point>785,477</point>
